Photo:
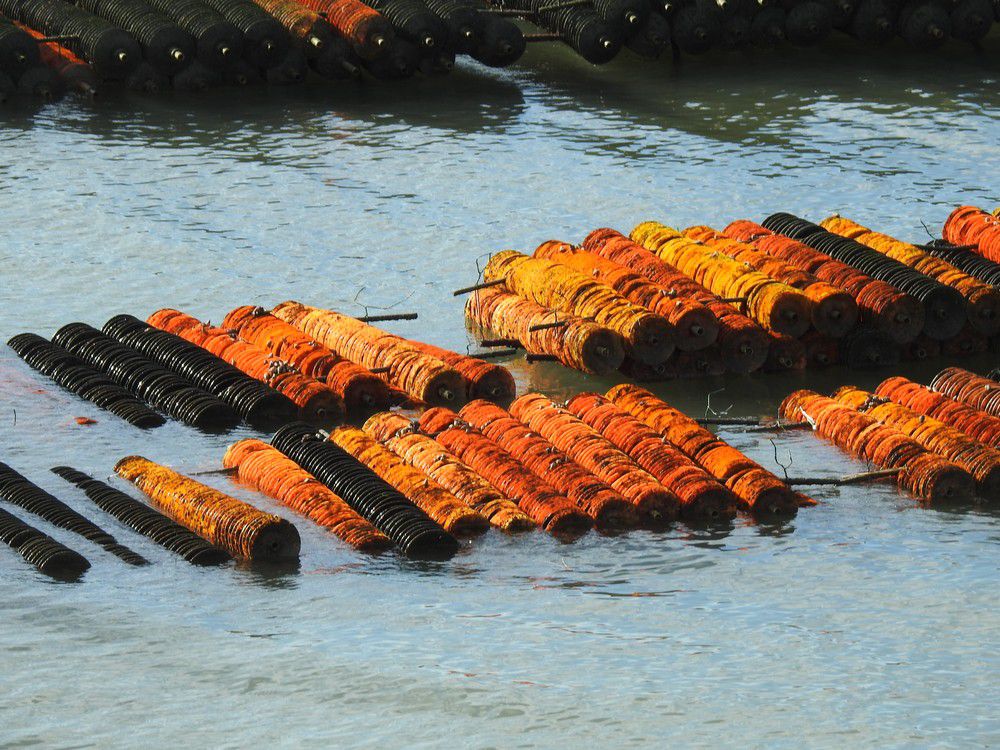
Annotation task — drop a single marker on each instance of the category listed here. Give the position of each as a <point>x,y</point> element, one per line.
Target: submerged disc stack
<point>258,404</point>
<point>45,553</point>
<point>144,520</point>
<point>85,381</point>
<point>16,489</point>
<point>165,45</point>
<point>150,381</point>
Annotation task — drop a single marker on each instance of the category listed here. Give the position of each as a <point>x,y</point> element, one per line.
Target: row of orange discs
<point>942,438</point>
<point>329,364</point>
<point>663,303</point>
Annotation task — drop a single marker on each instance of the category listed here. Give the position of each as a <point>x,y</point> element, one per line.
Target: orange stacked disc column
<point>834,311</point>
<point>702,496</point>
<point>778,307</point>
<point>648,337</point>
<point>270,471</point>
<point>577,343</point>
<point>545,505</point>
<point>968,225</point>
<point>975,423</point>
<point>451,513</point>
<point>239,528</point>
<point>317,402</point>
<point>762,492</point>
<point>982,462</point>
<point>359,387</point>
<point>971,389</point>
<point>695,326</point>
<point>922,473</point>
<point>421,376</point>
<point>400,435</point>
<point>608,508</point>
<point>742,343</point>
<point>657,504</point>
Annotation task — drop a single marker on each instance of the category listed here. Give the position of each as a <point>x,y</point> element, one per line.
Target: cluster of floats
<point>448,449</point>
<point>47,46</point>
<point>781,295</point>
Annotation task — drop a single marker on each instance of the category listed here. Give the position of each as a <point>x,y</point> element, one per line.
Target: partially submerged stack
<point>781,295</point>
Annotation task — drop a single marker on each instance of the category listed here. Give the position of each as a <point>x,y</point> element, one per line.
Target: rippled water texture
<point>866,621</point>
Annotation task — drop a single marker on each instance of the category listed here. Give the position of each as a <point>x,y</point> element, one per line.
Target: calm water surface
<point>866,621</point>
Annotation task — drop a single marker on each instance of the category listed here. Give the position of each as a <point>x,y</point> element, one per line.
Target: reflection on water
<point>853,623</point>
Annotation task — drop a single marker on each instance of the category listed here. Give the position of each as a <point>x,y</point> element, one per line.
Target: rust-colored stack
<point>317,402</point>
<point>239,528</point>
<point>982,462</point>
<point>270,471</point>
<point>761,491</point>
<point>577,343</point>
<point>401,436</point>
<point>547,507</point>
<point>648,337</point>
<point>971,389</point>
<point>975,423</point>
<point>742,343</point>
<point>882,305</point>
<point>423,377</point>
<point>656,503</point>
<point>357,386</point>
<point>447,510</point>
<point>702,497</point>
<point>778,307</point>
<point>695,326</point>
<point>968,225</point>
<point>485,379</point>
<point>834,311</point>
<point>608,508</point>
<point>924,474</point>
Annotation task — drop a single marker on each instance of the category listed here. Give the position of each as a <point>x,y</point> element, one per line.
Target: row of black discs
<point>45,553</point>
<point>17,490</point>
<point>21,67</point>
<point>946,309</point>
<point>152,382</point>
<point>257,403</point>
<point>966,261</point>
<point>76,376</point>
<point>143,519</point>
<point>411,530</point>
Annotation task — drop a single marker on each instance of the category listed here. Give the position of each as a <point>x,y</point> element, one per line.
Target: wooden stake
<point>868,476</point>
<point>477,287</point>
<point>390,316</point>
<point>546,326</point>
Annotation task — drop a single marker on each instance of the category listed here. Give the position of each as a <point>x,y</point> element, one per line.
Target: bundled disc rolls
<point>146,521</point>
<point>86,382</point>
<point>411,530</point>
<point>970,389</point>
<point>267,469</point>
<point>258,404</point>
<point>422,376</point>
<point>17,490</point>
<point>237,527</point>
<point>150,381</point>
<point>402,437</point>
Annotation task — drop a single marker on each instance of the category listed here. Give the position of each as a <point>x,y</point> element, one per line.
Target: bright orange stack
<point>317,402</point>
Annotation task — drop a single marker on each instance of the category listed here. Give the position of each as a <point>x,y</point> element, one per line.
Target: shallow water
<point>868,620</point>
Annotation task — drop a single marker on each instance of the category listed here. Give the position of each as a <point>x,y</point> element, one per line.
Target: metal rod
<point>779,426</point>
<point>496,354</point>
<point>546,326</point>
<point>391,316</point>
<point>732,300</point>
<point>214,472</point>
<point>504,12</point>
<point>949,246</point>
<point>532,358</point>
<point>867,476</point>
<point>543,37</point>
<point>379,370</point>
<point>489,343</point>
<point>730,421</point>
<point>477,287</point>
<point>58,39</point>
